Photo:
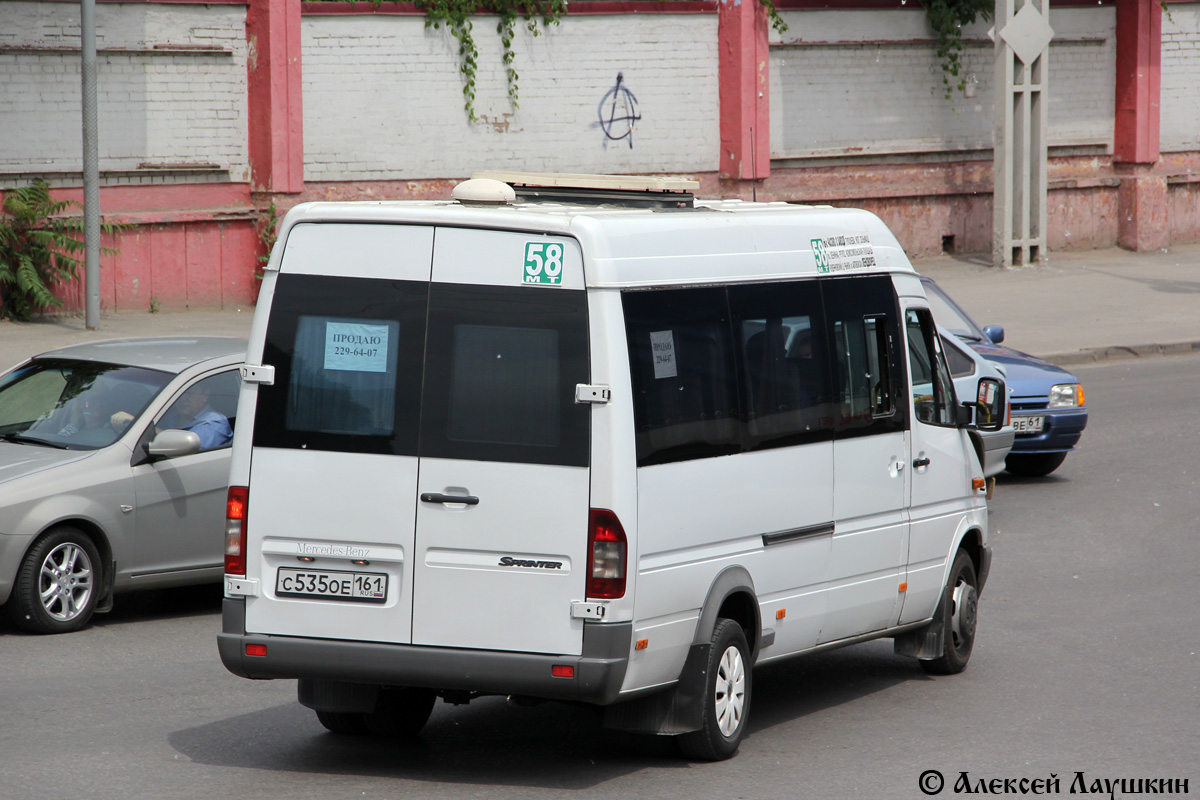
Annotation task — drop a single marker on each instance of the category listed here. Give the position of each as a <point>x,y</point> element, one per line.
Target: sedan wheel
<point>58,584</point>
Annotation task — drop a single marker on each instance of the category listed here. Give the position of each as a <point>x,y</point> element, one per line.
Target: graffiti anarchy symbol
<point>618,112</point>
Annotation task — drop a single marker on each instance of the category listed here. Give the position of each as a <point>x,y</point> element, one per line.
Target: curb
<point>1091,355</point>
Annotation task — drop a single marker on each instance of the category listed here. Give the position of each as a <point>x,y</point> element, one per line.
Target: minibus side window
<point>960,363</point>
<point>863,323</point>
<point>785,378</point>
<point>684,386</point>
<point>932,390</point>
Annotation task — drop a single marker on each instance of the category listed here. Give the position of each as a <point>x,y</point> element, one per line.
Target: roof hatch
<point>624,190</point>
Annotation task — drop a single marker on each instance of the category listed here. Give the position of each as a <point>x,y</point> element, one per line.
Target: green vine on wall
<point>456,16</point>
<point>947,18</point>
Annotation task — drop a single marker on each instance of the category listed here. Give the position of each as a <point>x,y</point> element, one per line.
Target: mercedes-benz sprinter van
<point>589,439</point>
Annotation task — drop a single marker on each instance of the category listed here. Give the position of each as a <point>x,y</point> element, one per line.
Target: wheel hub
<point>962,620</point>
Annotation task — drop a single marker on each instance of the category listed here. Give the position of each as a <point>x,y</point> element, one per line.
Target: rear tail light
<point>235,529</point>
<point>608,550</point>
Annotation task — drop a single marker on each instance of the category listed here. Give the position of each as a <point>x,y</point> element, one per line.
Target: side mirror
<point>173,444</point>
<point>995,333</point>
<point>990,401</point>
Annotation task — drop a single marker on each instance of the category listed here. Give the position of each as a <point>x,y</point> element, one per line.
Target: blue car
<point>1048,411</point>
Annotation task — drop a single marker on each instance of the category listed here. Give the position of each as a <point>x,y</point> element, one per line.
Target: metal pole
<point>91,167</point>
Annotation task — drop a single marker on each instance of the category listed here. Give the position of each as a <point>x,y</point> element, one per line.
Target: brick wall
<point>868,82</point>
<point>1180,124</point>
<point>171,89</point>
<point>383,98</point>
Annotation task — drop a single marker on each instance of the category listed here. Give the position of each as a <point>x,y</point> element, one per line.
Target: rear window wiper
<point>17,438</point>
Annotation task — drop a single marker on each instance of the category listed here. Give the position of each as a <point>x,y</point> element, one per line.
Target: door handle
<point>438,497</point>
<point>921,462</point>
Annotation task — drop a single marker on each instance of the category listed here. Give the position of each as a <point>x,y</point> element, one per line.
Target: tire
<point>58,584</point>
<point>347,723</point>
<point>1033,465</point>
<point>726,696</point>
<point>960,607</point>
<point>400,713</point>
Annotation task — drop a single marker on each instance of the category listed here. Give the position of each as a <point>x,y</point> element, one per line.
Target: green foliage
<point>266,227</point>
<point>455,15</point>
<point>39,249</point>
<point>947,17</point>
<point>773,14</point>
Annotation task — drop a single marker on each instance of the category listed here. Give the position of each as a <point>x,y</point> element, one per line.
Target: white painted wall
<point>154,107</point>
<point>383,98</point>
<point>869,82</point>
<point>1180,121</point>
<point>383,95</point>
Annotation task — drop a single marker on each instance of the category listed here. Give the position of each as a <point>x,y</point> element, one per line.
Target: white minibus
<point>590,439</point>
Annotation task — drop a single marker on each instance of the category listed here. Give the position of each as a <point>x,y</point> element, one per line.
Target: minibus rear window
<point>347,356</point>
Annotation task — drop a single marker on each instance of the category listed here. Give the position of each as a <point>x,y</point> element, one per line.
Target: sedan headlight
<point>1066,395</point>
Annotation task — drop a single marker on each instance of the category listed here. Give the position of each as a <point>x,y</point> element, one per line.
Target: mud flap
<point>926,642</point>
<point>679,709</point>
<point>105,603</point>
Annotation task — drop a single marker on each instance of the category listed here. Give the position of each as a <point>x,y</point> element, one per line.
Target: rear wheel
<point>58,584</point>
<point>1034,465</point>
<point>343,722</point>
<point>960,608</point>
<point>726,696</point>
<point>400,713</point>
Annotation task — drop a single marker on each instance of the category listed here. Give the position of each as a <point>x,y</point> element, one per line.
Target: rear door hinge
<point>592,393</point>
<point>582,609</point>
<point>264,374</point>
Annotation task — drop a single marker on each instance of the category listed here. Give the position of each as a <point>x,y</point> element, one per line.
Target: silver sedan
<point>114,461</point>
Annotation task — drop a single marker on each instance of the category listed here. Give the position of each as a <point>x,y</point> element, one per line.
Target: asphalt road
<point>1088,660</point>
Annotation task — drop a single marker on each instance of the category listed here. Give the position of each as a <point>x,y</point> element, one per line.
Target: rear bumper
<point>1060,432</point>
<point>598,673</point>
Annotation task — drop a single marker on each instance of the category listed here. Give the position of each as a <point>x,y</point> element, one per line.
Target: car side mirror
<point>990,400</point>
<point>995,333</point>
<point>173,444</point>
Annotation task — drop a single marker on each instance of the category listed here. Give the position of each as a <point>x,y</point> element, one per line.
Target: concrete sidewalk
<point>1078,307</point>
<point>1083,306</point>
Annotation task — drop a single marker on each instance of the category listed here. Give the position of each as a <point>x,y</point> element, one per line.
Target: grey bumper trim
<point>599,672</point>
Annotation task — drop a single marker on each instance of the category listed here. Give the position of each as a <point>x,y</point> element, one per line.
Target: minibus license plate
<point>1027,424</point>
<point>359,587</point>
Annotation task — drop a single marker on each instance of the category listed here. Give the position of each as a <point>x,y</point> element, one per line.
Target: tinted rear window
<point>441,370</point>
<point>347,354</point>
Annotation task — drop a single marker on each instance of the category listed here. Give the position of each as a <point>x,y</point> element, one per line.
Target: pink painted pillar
<point>743,78</point>
<point>276,120</point>
<point>1142,195</point>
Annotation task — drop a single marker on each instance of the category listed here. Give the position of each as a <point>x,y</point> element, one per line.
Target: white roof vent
<point>484,191</point>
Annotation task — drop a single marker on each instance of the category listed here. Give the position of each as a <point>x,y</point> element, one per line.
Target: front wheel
<point>960,609</point>
<point>58,584</point>
<point>1034,465</point>
<point>726,697</point>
